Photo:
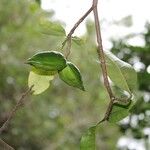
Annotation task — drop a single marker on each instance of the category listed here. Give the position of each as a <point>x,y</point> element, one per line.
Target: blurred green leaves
<point>51,28</point>
<point>78,41</point>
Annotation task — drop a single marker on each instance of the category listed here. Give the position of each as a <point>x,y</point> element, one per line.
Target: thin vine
<point>14,110</point>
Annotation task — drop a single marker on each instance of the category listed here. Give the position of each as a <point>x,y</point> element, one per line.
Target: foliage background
<point>57,118</point>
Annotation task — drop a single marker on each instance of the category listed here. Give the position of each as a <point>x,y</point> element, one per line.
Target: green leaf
<point>119,112</point>
<point>88,140</point>
<point>78,41</point>
<point>48,61</point>
<point>121,73</point>
<point>122,108</point>
<point>71,75</point>
<point>41,83</point>
<point>124,78</point>
<point>119,93</point>
<point>51,28</point>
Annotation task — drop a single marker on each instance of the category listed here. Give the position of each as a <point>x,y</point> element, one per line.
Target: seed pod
<point>48,61</point>
<point>43,72</point>
<point>71,75</point>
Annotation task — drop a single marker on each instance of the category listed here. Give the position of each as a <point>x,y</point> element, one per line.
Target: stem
<point>79,22</point>
<point>68,47</point>
<point>101,57</point>
<point>5,146</point>
<point>68,38</point>
<point>14,110</point>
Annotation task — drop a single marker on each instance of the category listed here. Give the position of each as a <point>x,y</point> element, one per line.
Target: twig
<point>102,60</point>
<point>17,106</point>
<point>68,38</point>
<point>68,47</point>
<point>78,22</point>
<point>5,146</point>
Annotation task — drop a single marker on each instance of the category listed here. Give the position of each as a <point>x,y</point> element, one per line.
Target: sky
<point>69,11</point>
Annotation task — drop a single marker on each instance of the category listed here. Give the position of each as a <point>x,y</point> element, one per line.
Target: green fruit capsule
<point>48,61</point>
<point>43,72</point>
<point>71,75</point>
